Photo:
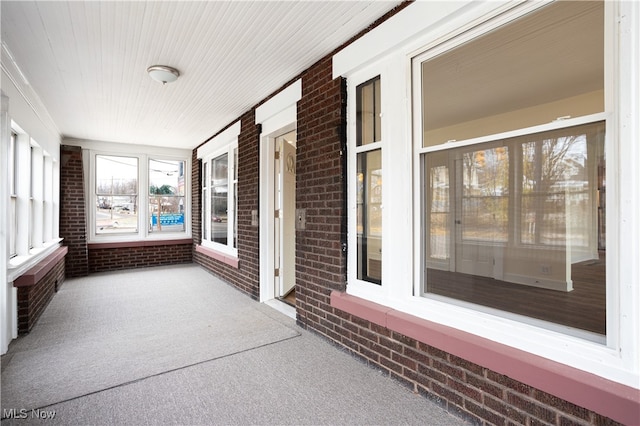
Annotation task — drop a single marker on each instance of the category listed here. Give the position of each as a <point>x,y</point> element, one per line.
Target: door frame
<point>276,117</point>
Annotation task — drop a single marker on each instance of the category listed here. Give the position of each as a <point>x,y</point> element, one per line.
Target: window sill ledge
<point>32,276</point>
<point>614,400</point>
<point>222,257</point>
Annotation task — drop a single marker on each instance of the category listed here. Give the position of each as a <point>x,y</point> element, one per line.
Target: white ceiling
<point>87,60</point>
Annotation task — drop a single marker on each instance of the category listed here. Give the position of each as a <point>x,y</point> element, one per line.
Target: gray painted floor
<point>175,345</point>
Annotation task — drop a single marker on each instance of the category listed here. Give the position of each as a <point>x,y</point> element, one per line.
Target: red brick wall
<point>320,190</point>
<point>73,222</point>
<point>111,259</point>
<point>32,300</point>
<point>246,276</point>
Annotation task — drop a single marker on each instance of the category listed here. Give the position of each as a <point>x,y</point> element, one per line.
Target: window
<point>138,196</point>
<point>13,220</point>
<point>219,189</point>
<point>116,195</point>
<point>166,196</point>
<point>516,120</point>
<point>368,186</point>
<point>513,164</point>
<point>33,176</point>
<point>219,192</point>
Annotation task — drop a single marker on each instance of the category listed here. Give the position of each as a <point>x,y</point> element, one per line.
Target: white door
<point>285,231</point>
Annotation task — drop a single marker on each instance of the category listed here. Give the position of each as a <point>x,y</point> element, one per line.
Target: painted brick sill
<point>142,243</point>
<point>222,257</point>
<point>611,399</point>
<point>39,270</point>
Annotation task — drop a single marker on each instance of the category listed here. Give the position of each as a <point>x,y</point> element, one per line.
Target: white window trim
<point>143,154</point>
<point>33,221</point>
<point>618,360</point>
<point>364,288</point>
<point>224,143</point>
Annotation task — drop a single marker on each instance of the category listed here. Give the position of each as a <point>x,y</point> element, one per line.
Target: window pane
<point>13,221</point>
<point>116,194</point>
<point>235,197</point>
<point>368,112</point>
<point>369,215</point>
<point>488,86</point>
<point>166,195</point>
<point>219,196</point>
<point>527,230</point>
<point>205,219</point>
<point>485,184</point>
<point>438,208</point>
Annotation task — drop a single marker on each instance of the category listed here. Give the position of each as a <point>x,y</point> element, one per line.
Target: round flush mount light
<point>163,73</point>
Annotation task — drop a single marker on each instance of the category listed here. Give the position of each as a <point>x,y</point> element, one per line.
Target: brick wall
<point>33,299</point>
<point>246,276</point>
<point>320,190</point>
<point>73,222</point>
<point>140,256</point>
<point>463,388</point>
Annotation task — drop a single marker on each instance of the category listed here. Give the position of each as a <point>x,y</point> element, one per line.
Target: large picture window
<point>513,164</point>
<point>138,196</point>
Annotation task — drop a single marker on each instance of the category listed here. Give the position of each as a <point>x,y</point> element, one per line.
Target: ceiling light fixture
<point>163,73</point>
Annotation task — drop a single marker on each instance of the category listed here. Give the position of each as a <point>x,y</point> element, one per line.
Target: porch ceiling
<point>87,61</point>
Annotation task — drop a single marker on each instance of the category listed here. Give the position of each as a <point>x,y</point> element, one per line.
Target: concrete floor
<point>176,345</point>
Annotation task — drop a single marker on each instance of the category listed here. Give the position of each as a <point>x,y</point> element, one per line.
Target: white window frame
<point>365,288</point>
<point>13,222</point>
<point>224,143</point>
<point>134,151</point>
<point>35,177</point>
<point>391,48</point>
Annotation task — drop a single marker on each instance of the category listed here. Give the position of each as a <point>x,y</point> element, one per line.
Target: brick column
<point>73,218</point>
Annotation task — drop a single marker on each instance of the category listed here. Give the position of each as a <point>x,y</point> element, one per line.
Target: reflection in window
<point>369,215</point>
<point>368,112</point>
<point>485,185</point>
<point>166,196</point>
<point>439,212</point>
<point>116,194</point>
<point>525,235</point>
